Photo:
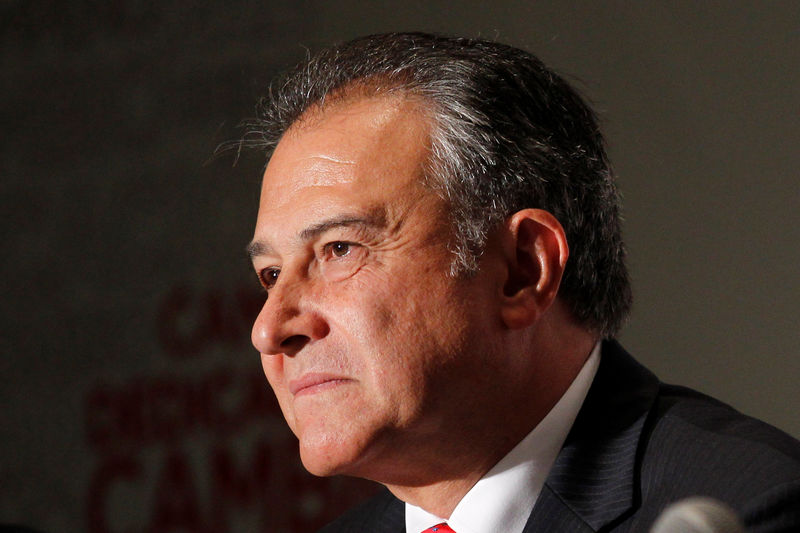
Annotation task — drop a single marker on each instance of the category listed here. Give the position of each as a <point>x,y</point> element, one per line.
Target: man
<point>439,239</point>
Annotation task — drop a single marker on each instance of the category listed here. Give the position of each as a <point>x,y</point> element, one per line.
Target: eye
<point>338,248</point>
<point>268,277</point>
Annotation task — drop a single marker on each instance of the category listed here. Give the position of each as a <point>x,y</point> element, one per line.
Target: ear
<point>536,251</point>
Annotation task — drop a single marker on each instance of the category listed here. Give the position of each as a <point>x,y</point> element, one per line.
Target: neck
<point>483,439</point>
<point>439,498</point>
<point>446,479</point>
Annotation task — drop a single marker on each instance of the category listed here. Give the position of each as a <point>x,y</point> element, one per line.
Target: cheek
<point>370,325</point>
<point>362,308</point>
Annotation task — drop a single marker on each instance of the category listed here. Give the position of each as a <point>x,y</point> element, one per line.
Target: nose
<point>288,321</point>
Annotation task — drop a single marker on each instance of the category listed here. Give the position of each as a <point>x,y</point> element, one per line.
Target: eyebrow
<point>257,248</point>
<point>371,220</point>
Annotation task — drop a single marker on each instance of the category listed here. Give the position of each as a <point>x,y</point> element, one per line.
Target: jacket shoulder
<point>696,445</point>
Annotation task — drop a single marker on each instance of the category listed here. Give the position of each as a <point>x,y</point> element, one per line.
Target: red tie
<point>440,528</point>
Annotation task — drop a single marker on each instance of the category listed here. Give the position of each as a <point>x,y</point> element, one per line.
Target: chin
<point>327,463</point>
<point>328,455</point>
<point>337,452</point>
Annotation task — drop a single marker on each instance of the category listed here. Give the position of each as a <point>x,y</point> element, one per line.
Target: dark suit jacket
<point>636,446</point>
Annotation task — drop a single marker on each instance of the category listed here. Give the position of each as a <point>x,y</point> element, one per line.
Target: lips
<point>315,382</point>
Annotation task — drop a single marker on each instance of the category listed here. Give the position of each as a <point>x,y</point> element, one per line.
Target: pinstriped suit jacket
<point>636,446</point>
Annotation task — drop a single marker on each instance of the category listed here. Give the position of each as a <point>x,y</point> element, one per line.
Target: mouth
<point>315,382</point>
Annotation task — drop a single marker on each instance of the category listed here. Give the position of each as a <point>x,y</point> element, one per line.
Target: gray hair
<point>507,134</point>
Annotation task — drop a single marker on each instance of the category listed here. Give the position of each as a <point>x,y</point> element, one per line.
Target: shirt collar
<point>503,498</point>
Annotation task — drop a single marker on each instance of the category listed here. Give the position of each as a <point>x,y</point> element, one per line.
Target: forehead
<point>354,151</point>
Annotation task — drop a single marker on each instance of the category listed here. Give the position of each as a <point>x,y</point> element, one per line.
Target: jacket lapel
<point>394,520</point>
<point>594,480</point>
<point>381,514</point>
<point>551,513</point>
<point>388,517</point>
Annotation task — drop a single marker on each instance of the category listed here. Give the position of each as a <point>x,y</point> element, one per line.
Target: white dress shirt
<point>502,499</point>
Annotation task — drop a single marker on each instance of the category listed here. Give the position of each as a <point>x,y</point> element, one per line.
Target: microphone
<point>698,515</point>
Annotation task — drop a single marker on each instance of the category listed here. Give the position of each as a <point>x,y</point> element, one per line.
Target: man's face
<point>371,347</point>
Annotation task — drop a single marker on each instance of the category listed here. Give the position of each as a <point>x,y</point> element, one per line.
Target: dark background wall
<point>131,399</point>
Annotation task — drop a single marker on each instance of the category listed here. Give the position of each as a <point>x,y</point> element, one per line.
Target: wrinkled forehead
<point>367,141</point>
<point>349,156</point>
